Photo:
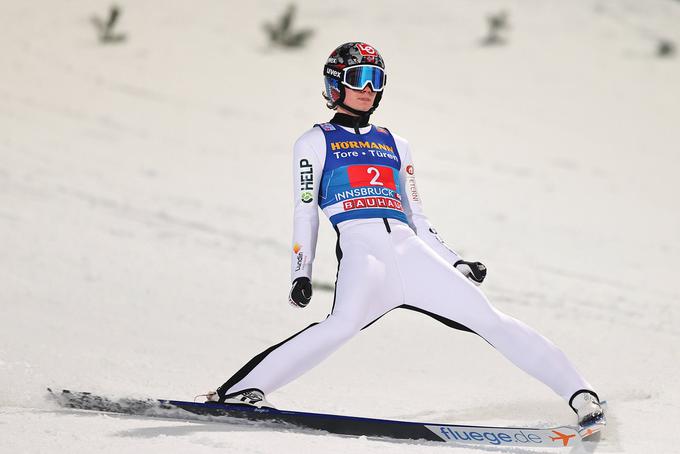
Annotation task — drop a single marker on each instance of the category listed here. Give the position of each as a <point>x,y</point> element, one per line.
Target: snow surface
<point>145,214</point>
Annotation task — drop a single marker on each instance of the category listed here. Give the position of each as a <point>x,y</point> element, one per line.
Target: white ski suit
<point>389,257</point>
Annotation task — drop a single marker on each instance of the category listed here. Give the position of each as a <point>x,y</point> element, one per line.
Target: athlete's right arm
<point>308,159</point>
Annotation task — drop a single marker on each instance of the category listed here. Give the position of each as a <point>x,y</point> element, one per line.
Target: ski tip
<point>51,395</point>
<point>592,434</point>
<point>57,392</point>
<point>589,431</point>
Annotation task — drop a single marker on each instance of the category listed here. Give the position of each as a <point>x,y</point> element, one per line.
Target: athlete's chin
<point>364,106</point>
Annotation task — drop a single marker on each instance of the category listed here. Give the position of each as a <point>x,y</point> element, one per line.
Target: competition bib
<point>360,177</point>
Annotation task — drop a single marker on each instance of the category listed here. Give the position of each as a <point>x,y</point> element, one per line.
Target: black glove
<point>475,271</point>
<point>300,292</point>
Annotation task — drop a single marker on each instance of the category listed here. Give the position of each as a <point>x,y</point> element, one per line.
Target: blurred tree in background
<point>281,32</point>
<point>665,48</point>
<point>498,24</point>
<point>105,27</point>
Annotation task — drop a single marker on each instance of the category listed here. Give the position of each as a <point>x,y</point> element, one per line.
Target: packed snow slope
<point>145,213</point>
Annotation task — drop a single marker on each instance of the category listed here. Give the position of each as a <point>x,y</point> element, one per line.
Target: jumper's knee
<point>486,319</point>
<point>340,328</point>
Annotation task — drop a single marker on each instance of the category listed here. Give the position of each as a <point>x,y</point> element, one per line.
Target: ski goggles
<point>357,77</point>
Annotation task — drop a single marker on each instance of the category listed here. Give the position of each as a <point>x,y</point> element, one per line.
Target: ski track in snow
<point>145,215</point>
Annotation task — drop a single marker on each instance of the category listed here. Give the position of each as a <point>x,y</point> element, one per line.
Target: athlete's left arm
<point>413,206</point>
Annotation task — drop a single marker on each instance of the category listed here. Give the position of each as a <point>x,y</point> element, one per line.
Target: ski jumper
<point>389,256</point>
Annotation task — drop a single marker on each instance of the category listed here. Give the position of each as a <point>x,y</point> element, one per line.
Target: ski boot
<point>251,397</point>
<point>591,418</point>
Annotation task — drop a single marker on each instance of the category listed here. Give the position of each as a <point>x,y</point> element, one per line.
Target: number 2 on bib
<point>375,181</point>
<point>375,175</point>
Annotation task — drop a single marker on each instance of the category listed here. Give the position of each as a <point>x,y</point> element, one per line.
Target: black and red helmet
<point>353,65</point>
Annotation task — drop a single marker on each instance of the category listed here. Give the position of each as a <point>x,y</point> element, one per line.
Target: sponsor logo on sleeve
<point>306,181</point>
<point>300,257</point>
<point>327,127</point>
<point>409,169</point>
<point>433,231</point>
<point>412,190</point>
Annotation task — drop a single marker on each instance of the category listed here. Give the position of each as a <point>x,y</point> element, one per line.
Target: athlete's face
<point>360,99</point>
